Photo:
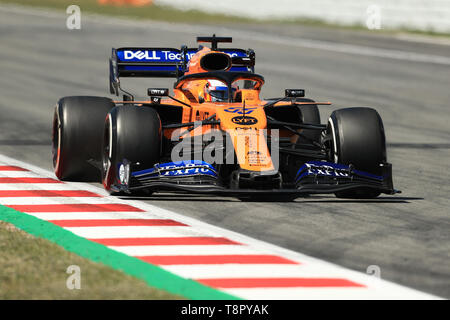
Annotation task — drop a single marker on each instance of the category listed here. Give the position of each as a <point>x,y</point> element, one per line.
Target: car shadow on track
<point>308,199</point>
<point>180,197</point>
<point>376,200</point>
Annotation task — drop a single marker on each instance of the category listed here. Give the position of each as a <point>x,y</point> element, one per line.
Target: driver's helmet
<point>217,91</point>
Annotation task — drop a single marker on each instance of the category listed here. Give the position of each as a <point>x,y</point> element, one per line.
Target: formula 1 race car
<point>215,134</point>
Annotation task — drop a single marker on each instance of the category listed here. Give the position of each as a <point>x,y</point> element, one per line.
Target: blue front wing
<point>199,176</point>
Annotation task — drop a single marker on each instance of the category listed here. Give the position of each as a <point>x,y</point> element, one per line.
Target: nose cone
<point>247,131</point>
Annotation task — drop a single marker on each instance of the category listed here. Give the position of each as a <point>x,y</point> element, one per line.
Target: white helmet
<point>217,91</point>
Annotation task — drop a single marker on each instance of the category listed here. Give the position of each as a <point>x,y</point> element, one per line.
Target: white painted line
<point>9,201</point>
<point>37,186</point>
<point>93,215</point>
<point>318,294</point>
<point>18,174</point>
<point>253,271</point>
<point>174,250</point>
<point>440,40</point>
<point>136,232</point>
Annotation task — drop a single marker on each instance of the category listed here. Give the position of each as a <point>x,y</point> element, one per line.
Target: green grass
<point>35,268</point>
<point>164,13</point>
<point>43,261</point>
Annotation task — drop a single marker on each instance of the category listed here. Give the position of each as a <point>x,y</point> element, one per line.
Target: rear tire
<point>131,133</point>
<point>358,138</point>
<point>77,137</point>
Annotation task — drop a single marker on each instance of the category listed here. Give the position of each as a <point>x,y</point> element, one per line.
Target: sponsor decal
<point>182,169</point>
<point>124,173</point>
<point>295,93</point>
<point>158,92</point>
<point>318,168</point>
<point>256,158</point>
<point>172,171</point>
<point>330,169</point>
<point>140,55</point>
<point>150,55</point>
<point>326,170</point>
<point>155,100</point>
<point>244,121</point>
<point>235,53</point>
<point>163,55</point>
<point>239,110</point>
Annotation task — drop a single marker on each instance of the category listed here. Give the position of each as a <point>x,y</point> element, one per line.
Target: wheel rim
<point>56,140</point>
<point>107,152</point>
<point>334,151</point>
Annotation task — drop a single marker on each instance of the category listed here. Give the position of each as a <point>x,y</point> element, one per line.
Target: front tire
<point>131,133</point>
<point>309,114</point>
<point>309,139</point>
<point>77,137</point>
<point>358,138</point>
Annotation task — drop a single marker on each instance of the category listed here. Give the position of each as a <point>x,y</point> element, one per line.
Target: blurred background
<point>392,55</point>
<point>423,15</point>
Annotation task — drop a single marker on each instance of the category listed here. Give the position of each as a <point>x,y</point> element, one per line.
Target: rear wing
<point>165,63</point>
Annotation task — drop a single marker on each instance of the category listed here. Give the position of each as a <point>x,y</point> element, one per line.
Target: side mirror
<point>294,93</point>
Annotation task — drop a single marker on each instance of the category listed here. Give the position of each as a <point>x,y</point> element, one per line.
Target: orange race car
<point>215,134</point>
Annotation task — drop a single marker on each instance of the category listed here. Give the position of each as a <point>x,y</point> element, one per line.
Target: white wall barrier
<point>425,15</point>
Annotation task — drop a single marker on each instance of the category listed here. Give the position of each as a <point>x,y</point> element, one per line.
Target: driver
<point>217,91</point>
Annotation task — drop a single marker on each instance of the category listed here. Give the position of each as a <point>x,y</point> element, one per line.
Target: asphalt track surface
<point>407,236</point>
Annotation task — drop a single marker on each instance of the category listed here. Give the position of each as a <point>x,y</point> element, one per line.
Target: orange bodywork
<point>245,121</point>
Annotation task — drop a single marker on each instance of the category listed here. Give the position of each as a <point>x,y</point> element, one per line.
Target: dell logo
<point>140,55</point>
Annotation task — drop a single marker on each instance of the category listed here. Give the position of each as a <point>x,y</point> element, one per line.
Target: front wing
<point>314,177</point>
